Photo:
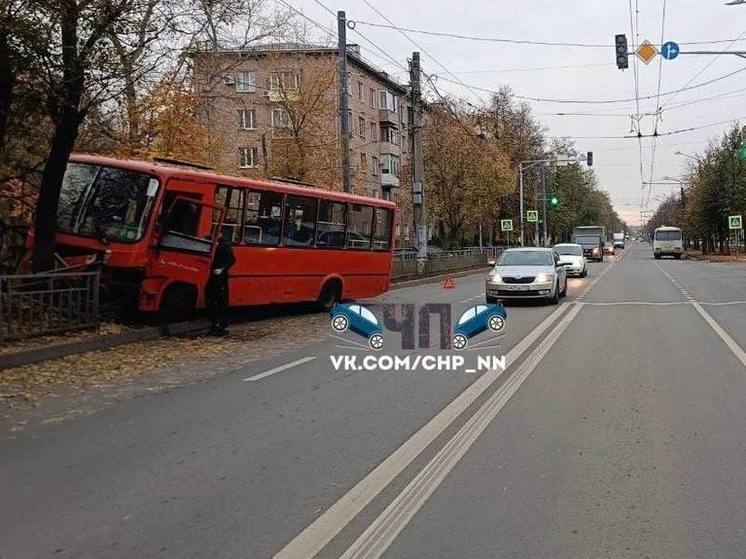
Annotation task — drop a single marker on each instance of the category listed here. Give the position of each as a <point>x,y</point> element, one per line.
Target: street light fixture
<point>685,155</point>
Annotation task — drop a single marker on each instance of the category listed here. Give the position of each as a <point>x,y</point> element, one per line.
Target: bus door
<point>188,236</point>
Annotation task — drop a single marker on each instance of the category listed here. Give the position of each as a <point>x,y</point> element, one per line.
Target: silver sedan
<point>527,273</point>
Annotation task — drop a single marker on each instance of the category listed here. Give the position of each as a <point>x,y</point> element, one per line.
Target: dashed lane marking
<point>279,369</point>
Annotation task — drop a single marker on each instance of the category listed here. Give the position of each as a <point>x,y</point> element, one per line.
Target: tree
<point>464,173</point>
<point>304,136</point>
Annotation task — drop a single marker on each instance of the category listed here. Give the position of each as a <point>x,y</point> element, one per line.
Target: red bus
<point>153,226</point>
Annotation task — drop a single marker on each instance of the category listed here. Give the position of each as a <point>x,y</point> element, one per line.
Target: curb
<point>435,279</point>
<point>56,351</point>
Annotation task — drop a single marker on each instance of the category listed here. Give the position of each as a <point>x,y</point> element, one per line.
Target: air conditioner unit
<point>266,93</point>
<point>229,80</point>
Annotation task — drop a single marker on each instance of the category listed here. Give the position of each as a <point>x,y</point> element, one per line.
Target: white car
<point>527,273</point>
<point>572,255</point>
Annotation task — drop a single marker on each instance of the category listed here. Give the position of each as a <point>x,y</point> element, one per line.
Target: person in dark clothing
<point>216,291</point>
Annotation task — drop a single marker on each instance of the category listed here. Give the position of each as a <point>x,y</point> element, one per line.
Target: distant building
<point>273,111</point>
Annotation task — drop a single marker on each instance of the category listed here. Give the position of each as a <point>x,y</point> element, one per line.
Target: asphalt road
<point>616,430</point>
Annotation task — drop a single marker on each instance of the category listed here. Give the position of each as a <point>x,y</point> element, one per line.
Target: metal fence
<point>405,265</point>
<point>39,304</point>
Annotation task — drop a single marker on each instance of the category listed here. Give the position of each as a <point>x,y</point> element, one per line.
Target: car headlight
<point>494,277</point>
<point>543,278</point>
<point>595,250</point>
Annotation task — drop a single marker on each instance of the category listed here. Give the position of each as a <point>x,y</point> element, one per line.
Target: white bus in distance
<point>667,242</point>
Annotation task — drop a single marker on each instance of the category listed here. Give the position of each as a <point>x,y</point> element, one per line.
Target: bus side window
<point>382,226</point>
<point>263,218</point>
<point>360,222</point>
<point>330,228</point>
<point>232,199</point>
<point>300,221</point>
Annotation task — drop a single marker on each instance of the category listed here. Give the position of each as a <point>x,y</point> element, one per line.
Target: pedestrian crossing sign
<point>735,222</point>
<point>532,216</point>
<point>506,224</point>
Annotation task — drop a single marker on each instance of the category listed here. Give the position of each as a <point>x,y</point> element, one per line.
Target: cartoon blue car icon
<point>357,319</point>
<point>475,320</point>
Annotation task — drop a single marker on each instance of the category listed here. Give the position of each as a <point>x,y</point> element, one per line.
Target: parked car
<point>357,319</point>
<point>572,255</point>
<point>475,320</point>
<point>527,273</point>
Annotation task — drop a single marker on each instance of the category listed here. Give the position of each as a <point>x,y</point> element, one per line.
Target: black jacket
<point>224,257</point>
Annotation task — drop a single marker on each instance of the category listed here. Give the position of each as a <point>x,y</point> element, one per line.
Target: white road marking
<point>730,342</point>
<point>279,369</point>
<point>381,533</point>
<point>615,303</point>
<point>319,533</point>
<point>723,303</point>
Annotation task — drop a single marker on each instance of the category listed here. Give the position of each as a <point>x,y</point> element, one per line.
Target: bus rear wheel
<point>329,296</point>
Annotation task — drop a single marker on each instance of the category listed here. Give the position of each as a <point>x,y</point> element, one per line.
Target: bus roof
<point>168,171</point>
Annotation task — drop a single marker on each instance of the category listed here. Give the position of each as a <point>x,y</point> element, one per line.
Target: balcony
<point>387,116</point>
<point>389,180</point>
<point>389,147</point>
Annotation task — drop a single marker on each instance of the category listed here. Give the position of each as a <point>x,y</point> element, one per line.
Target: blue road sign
<point>670,50</point>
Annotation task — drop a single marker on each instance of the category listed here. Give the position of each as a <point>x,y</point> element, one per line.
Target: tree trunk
<point>67,116</point>
<point>7,82</point>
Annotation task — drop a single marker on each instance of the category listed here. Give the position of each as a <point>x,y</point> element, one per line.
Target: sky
<point>574,72</point>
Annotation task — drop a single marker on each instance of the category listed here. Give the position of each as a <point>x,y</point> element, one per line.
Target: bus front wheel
<point>177,304</point>
<point>330,295</point>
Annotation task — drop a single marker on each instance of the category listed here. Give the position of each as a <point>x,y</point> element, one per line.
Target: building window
<point>363,162</point>
<point>373,132</point>
<point>372,98</point>
<point>387,100</point>
<point>247,119</point>
<point>280,118</point>
<point>246,82</point>
<point>349,85</point>
<point>390,134</point>
<point>374,164</point>
<point>284,81</point>
<point>361,126</point>
<point>248,158</point>
<point>390,164</point>
<point>360,91</point>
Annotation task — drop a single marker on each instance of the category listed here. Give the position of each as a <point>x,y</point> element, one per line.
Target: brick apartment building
<point>273,111</point>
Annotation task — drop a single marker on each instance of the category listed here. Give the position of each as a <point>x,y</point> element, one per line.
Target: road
<point>617,430</point>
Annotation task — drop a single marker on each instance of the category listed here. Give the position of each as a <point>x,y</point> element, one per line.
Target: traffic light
<point>553,202</point>
<point>622,61</point>
<point>589,159</point>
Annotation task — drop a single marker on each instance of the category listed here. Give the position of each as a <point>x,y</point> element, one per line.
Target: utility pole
<point>418,165</point>
<point>344,110</point>
<point>520,195</point>
<point>544,197</point>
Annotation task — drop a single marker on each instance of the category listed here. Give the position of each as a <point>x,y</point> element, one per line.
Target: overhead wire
<point>514,41</point>
<point>422,49</point>
<point>658,110</point>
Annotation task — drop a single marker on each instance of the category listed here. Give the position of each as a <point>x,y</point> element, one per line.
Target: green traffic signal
<point>554,201</point>
<point>742,152</point>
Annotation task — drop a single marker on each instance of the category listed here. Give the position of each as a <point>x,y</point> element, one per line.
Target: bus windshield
<point>105,202</point>
<point>669,235</point>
